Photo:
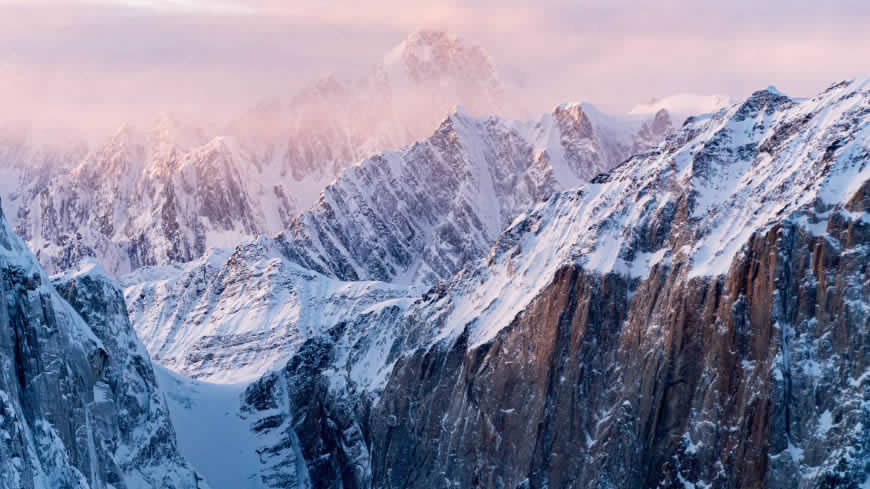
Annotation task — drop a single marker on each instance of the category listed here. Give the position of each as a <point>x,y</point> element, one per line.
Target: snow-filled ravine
<point>212,433</point>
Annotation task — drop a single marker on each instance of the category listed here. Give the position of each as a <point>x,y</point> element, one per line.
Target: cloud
<point>100,62</point>
<point>683,105</point>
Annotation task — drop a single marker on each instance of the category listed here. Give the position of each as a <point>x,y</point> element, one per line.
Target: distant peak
<point>458,110</point>
<point>573,109</point>
<point>420,45</point>
<point>573,120</point>
<point>661,119</point>
<point>124,128</point>
<point>431,36</point>
<point>568,106</point>
<point>327,86</point>
<point>171,131</point>
<point>166,117</point>
<point>460,113</point>
<point>437,54</point>
<point>658,125</point>
<point>165,123</point>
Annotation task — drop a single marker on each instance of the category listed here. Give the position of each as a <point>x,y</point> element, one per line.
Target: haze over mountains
<point>168,193</point>
<point>357,288</point>
<point>683,105</point>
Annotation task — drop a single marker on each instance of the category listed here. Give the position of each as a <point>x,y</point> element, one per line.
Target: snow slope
<point>230,322</point>
<point>212,434</point>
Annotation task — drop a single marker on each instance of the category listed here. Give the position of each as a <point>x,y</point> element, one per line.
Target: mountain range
<point>168,193</point>
<point>578,301</point>
<point>696,317</point>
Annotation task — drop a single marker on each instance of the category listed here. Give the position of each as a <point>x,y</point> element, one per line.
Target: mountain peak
<point>573,120</point>
<point>435,55</point>
<point>769,92</point>
<point>772,89</point>
<point>432,36</point>
<point>126,132</point>
<point>171,132</point>
<point>459,111</point>
<point>662,122</point>
<point>420,43</point>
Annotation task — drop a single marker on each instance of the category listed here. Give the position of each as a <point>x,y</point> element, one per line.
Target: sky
<point>98,63</point>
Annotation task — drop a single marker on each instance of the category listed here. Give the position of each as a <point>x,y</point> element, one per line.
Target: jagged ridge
<point>411,217</point>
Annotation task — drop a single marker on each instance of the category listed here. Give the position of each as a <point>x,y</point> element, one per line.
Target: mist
<point>93,65</point>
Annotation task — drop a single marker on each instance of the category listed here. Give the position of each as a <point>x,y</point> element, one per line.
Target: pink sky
<point>100,62</point>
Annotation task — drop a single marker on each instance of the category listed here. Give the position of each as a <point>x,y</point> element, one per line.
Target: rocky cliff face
<point>734,381</point>
<point>697,317</point>
<point>79,404</point>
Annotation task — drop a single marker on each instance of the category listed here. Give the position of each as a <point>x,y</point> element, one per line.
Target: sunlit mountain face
<point>317,252</point>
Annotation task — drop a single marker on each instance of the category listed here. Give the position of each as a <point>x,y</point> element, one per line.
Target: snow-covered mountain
<point>167,193</point>
<point>141,197</point>
<point>398,218</point>
<point>696,317</point>
<point>79,401</point>
<point>573,301</point>
<point>418,216</point>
